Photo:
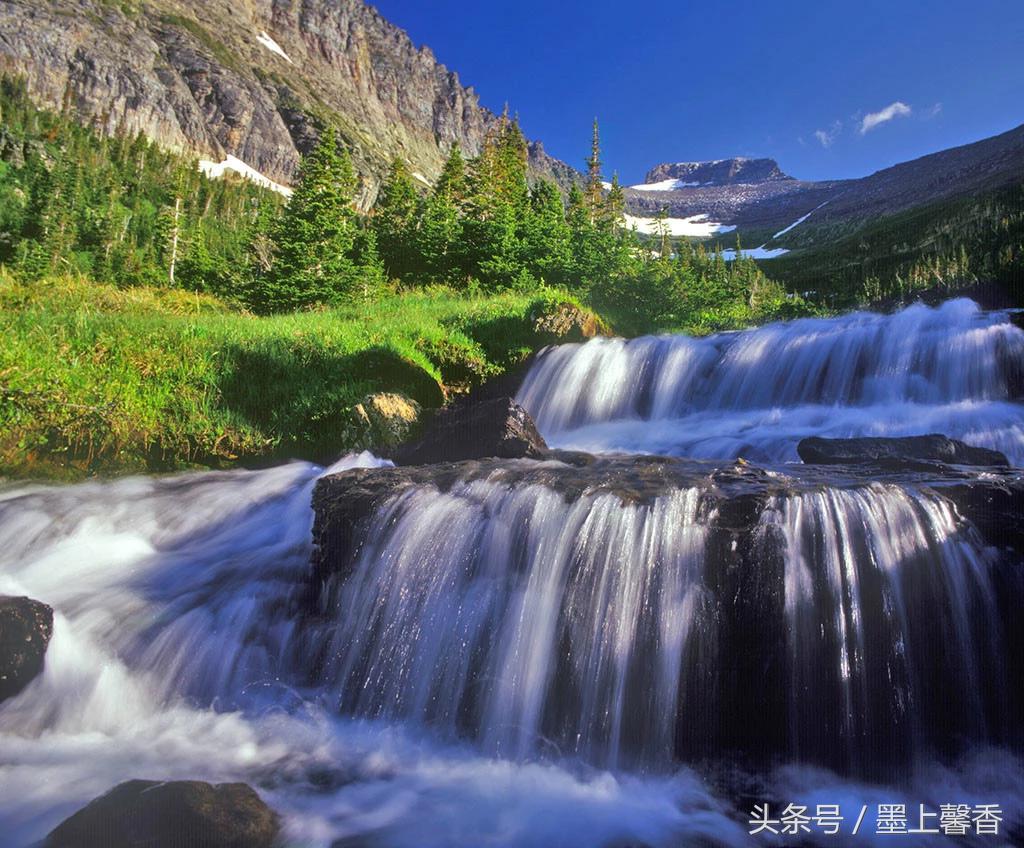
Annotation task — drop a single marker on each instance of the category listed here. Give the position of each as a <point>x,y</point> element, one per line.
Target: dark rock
<point>493,428</point>
<point>25,630</point>
<point>905,453</point>
<point>995,510</point>
<point>176,814</point>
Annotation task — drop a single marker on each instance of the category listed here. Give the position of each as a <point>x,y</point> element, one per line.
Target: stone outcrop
<point>905,453</point>
<point>25,630</point>
<point>176,814</point>
<point>492,428</point>
<point>568,323</point>
<point>383,420</point>
<point>210,79</point>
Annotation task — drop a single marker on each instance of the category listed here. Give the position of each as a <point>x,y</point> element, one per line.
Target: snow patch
<point>798,221</point>
<point>273,46</point>
<point>664,185</point>
<point>696,226</point>
<point>216,170</point>
<point>606,186</point>
<point>761,252</point>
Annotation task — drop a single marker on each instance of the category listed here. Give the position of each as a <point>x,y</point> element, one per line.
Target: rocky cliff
<point>719,172</point>
<point>251,79</point>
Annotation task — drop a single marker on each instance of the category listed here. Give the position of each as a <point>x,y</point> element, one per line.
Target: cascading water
<point>954,370</point>
<point>616,628</point>
<point>535,654</point>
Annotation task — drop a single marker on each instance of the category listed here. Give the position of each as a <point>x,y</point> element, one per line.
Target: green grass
<point>95,378</point>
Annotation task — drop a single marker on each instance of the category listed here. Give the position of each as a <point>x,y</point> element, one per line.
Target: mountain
<point>719,172</point>
<point>756,197</point>
<point>250,80</point>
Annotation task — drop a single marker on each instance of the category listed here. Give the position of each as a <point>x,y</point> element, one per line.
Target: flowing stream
<point>518,665</point>
<point>954,370</point>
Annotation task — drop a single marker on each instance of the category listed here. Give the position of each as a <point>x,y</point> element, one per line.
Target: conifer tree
<point>615,204</point>
<point>546,236</point>
<point>440,232</point>
<point>395,220</point>
<point>314,239</point>
<point>595,190</point>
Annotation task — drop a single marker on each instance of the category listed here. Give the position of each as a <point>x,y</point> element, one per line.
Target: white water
<point>173,658</point>
<point>757,393</point>
<point>505,667</point>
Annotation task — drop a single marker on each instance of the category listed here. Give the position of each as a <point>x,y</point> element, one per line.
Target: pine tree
<point>315,237</point>
<point>614,204</point>
<point>496,206</point>
<point>547,242</point>
<point>440,232</point>
<point>395,220</point>
<point>595,188</point>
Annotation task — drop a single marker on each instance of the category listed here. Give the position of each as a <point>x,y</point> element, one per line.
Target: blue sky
<point>672,81</point>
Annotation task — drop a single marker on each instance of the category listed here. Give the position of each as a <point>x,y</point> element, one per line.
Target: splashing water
<point>174,657</point>
<point>954,370</point>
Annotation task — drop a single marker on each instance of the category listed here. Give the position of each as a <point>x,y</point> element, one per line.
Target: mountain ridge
<point>252,79</point>
<point>775,204</point>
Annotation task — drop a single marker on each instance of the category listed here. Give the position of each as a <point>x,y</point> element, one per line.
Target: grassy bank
<point>95,378</point>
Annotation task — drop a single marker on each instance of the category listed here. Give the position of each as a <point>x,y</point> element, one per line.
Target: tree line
<point>122,210</point>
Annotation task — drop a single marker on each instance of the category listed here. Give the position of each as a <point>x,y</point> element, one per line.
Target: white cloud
<point>827,137</point>
<point>898,109</point>
<point>933,112</point>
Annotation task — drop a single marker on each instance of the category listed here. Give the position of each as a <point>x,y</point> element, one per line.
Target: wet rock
<point>906,453</point>
<point>25,630</point>
<point>494,428</point>
<point>176,814</point>
<point>994,509</point>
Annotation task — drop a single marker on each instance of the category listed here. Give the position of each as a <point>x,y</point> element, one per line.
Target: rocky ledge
<point>25,630</point>
<point>908,453</point>
<point>734,495</point>
<point>498,427</point>
<point>496,440</point>
<point>176,814</point>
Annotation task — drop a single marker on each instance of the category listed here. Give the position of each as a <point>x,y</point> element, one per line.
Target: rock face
<point>178,814</point>
<point>719,172</point>
<point>25,630</point>
<point>899,453</point>
<point>209,78</point>
<point>491,428</point>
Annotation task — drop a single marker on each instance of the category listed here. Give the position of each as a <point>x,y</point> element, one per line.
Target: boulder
<point>491,428</point>
<point>176,814</point>
<point>25,630</point>
<point>568,323</point>
<point>382,420</point>
<point>898,454</point>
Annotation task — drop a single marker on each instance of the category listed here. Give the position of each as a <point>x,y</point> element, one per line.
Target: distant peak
<point>738,169</point>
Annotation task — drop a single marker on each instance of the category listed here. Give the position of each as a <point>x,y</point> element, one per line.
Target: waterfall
<point>617,632</point>
<point>953,369</point>
<point>581,651</point>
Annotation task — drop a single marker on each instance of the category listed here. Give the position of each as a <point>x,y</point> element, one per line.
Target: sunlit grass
<point>99,378</point>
